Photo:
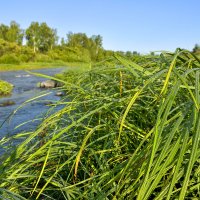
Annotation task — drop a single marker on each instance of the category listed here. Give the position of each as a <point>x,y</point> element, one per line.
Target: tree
<point>128,54</point>
<point>92,44</point>
<point>12,33</point>
<point>32,36</point>
<point>3,31</point>
<point>62,42</point>
<point>48,37</point>
<point>96,45</point>
<point>41,37</point>
<point>135,53</point>
<point>196,49</point>
<point>77,40</point>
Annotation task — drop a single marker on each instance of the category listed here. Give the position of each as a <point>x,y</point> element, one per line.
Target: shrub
<point>26,54</point>
<point>42,58</point>
<point>25,58</point>
<point>72,54</point>
<point>9,59</point>
<point>8,47</point>
<point>5,88</point>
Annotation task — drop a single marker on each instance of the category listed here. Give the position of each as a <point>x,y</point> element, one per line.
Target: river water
<point>25,88</point>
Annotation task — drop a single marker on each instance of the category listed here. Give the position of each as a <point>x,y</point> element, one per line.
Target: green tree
<point>95,47</point>
<point>77,40</point>
<point>15,33</point>
<point>3,31</point>
<point>128,54</point>
<point>62,42</point>
<point>12,33</point>
<point>196,49</point>
<point>92,44</point>
<point>41,37</point>
<point>32,36</point>
<point>48,37</point>
<point>135,53</point>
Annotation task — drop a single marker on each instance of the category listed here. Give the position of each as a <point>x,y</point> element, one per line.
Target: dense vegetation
<point>5,88</point>
<point>40,43</point>
<point>126,131</point>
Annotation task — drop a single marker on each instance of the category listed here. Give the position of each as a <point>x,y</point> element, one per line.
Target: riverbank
<point>41,65</point>
<point>27,101</point>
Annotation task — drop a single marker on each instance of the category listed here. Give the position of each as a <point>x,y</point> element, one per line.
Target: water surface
<point>25,89</point>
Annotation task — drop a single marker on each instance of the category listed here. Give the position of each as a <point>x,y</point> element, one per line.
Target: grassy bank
<point>41,65</point>
<point>125,132</point>
<point>5,88</point>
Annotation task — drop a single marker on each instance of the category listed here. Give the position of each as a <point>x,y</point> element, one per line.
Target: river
<point>25,88</point>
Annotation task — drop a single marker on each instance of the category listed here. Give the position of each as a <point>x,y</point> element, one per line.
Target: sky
<point>125,25</point>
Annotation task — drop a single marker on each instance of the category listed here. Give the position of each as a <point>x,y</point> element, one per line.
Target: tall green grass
<point>125,132</point>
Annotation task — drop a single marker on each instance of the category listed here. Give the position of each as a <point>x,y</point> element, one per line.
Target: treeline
<point>40,43</point>
<point>196,49</point>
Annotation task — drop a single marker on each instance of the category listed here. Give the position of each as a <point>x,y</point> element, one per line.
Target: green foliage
<point>11,33</point>
<point>196,49</point>
<point>42,58</point>
<point>3,31</point>
<point>125,132</point>
<point>81,40</point>
<point>70,54</point>
<point>41,45</point>
<point>8,47</point>
<point>26,54</point>
<point>40,37</point>
<point>5,88</point>
<point>9,59</point>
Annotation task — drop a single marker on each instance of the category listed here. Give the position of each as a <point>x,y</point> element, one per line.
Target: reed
<point>125,132</point>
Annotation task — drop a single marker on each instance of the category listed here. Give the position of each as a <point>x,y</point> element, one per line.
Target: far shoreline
<point>40,65</point>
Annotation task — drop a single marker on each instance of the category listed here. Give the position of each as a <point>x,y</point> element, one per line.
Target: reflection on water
<point>25,89</point>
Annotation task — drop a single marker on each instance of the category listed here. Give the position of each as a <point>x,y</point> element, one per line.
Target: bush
<point>5,88</point>
<point>8,47</point>
<point>42,58</point>
<point>9,59</point>
<point>26,54</point>
<point>67,54</point>
<point>24,58</point>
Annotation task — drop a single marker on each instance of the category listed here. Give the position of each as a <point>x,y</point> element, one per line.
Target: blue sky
<point>135,25</point>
